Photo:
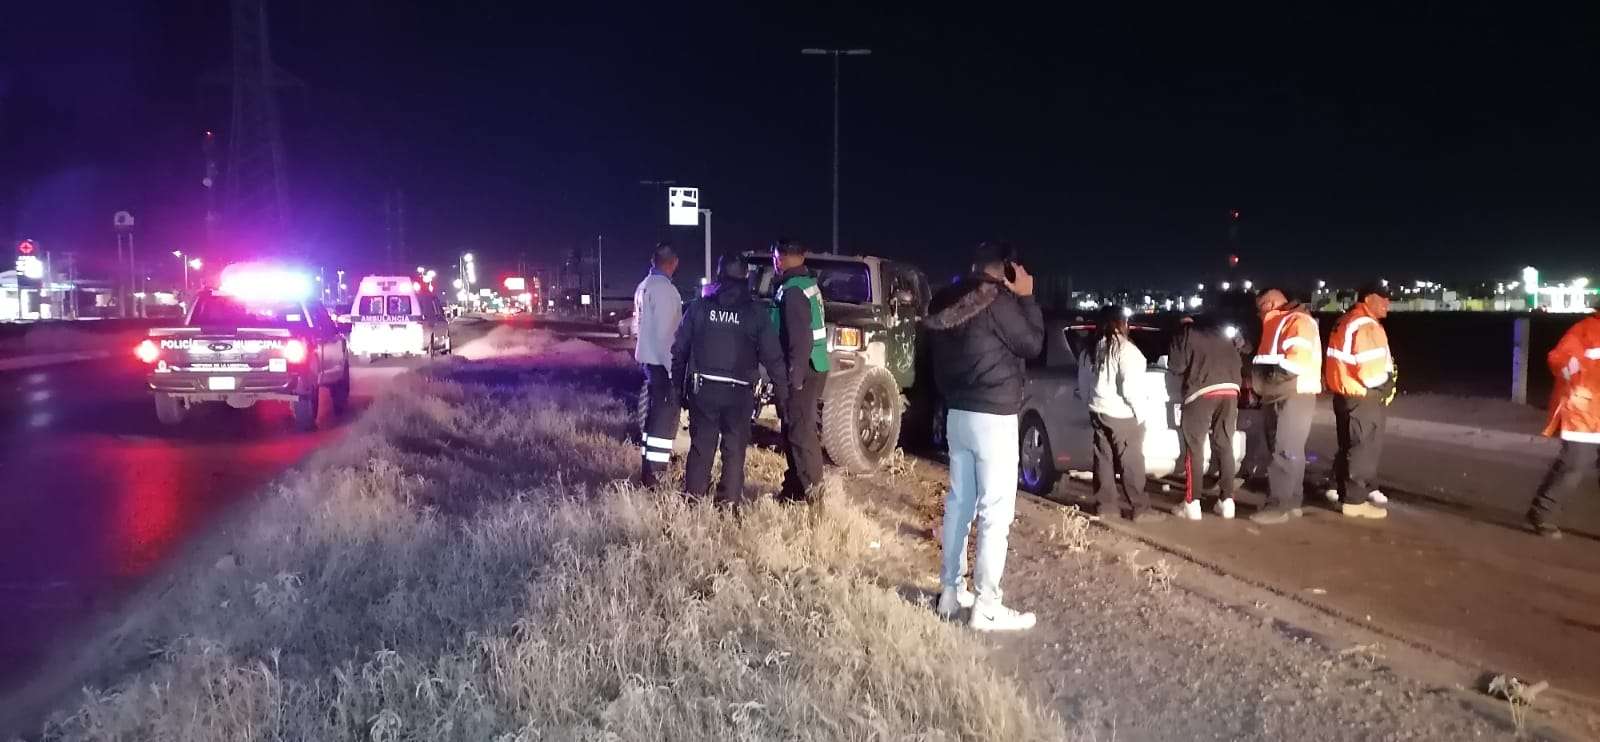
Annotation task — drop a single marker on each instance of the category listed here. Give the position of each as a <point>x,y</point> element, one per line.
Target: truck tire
<point>169,409</point>
<point>339,393</point>
<point>861,419</point>
<point>304,410</point>
<point>1036,470</point>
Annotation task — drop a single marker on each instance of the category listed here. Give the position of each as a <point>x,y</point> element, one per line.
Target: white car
<point>1056,436</point>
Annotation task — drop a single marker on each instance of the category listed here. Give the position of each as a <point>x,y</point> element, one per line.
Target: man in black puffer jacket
<point>982,331</point>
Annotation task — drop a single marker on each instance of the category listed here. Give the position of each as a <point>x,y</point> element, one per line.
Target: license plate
<point>222,383</point>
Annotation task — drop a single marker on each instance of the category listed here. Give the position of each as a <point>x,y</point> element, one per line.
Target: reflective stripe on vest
<point>819,329</point>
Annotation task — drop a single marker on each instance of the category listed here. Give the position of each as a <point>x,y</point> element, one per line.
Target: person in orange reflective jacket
<point>1574,418</point>
<point>1287,374</point>
<point>1359,371</point>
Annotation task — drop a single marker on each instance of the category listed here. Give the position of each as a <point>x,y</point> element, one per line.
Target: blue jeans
<point>983,484</point>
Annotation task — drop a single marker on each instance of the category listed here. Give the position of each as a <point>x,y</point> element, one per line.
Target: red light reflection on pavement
<point>87,517</point>
<point>172,487</point>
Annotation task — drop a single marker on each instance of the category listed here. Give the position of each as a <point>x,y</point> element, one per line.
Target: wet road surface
<point>95,493</point>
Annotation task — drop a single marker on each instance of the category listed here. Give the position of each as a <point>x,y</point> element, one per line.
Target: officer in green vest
<point>804,336</point>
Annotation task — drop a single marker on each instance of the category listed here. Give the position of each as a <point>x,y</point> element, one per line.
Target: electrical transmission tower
<point>256,201</point>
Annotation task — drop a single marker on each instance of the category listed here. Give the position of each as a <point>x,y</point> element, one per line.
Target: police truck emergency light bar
<point>264,283</point>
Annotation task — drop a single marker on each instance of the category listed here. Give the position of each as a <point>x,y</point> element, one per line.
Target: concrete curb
<point>1463,436</point>
<point>51,359</point>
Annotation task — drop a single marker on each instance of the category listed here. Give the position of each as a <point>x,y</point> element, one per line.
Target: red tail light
<point>147,351</point>
<point>294,351</point>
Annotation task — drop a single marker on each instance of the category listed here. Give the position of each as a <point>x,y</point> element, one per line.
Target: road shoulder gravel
<point>1137,643</point>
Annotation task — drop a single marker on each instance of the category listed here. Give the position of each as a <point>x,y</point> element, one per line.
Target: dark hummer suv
<point>873,309</point>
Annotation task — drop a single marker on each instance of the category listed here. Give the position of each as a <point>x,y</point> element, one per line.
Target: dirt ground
<point>1135,643</point>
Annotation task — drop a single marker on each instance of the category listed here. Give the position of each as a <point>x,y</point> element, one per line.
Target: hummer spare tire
<point>861,418</point>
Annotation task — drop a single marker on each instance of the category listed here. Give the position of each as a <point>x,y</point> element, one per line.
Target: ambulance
<point>393,316</point>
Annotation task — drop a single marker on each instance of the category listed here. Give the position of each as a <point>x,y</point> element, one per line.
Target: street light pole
<point>836,53</point>
<point>184,259</point>
<point>709,277</point>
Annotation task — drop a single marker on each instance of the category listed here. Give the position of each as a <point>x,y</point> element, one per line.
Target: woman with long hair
<point>1111,376</point>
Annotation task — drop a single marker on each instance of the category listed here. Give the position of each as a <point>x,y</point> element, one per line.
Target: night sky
<point>1427,140</point>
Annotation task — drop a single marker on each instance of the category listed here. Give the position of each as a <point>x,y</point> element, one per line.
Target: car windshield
<point>845,281</point>
<point>228,310</point>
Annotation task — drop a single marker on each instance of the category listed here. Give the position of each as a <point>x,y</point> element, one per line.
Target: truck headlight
<point>847,338</point>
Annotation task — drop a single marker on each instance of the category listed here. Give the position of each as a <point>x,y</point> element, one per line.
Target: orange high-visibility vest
<point>1358,354</point>
<point>1575,403</point>
<point>1289,340</point>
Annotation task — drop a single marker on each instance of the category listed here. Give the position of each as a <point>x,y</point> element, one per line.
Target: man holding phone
<point>983,330</point>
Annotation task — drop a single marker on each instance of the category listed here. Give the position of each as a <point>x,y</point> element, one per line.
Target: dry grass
<point>899,466</point>
<point>1073,530</point>
<point>465,566</point>
<point>1157,575</point>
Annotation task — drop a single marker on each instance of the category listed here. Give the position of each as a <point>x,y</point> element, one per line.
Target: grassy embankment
<point>464,565</point>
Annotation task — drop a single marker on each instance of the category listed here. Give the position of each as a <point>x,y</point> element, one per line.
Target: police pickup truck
<point>256,338</point>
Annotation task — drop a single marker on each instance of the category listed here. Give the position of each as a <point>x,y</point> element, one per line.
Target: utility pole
<point>256,200</point>
<point>208,148</point>
<point>133,279</point>
<point>388,231</point>
<point>400,223</point>
<point>600,277</point>
<point>836,53</point>
<point>72,283</point>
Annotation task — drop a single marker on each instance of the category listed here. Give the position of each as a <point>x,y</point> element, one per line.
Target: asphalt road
<point>95,493</point>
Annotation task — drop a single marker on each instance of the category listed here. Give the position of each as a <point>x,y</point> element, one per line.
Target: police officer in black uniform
<point>723,336</point>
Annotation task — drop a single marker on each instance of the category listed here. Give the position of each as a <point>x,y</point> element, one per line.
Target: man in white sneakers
<point>982,330</point>
<point>1210,366</point>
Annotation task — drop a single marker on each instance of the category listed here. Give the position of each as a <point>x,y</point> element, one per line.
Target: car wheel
<point>304,409</point>
<point>861,419</point>
<point>169,409</point>
<point>1036,471</point>
<point>339,393</point>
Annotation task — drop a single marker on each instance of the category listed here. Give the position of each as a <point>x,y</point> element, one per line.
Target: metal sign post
<point>709,277</point>
<point>683,210</point>
<point>122,221</point>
